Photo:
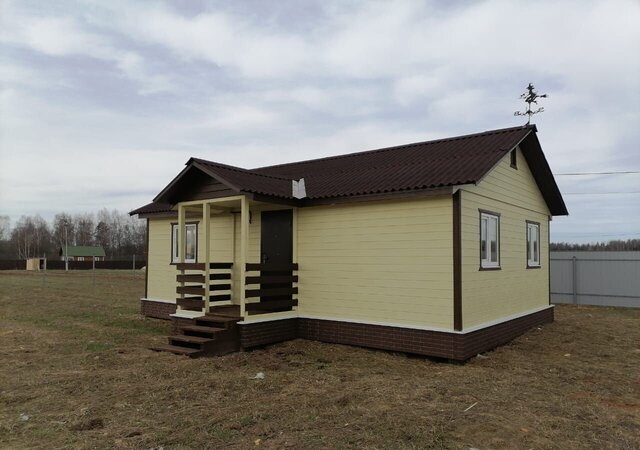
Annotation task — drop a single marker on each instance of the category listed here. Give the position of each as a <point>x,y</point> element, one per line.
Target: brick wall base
<point>157,310</point>
<point>263,333</point>
<point>454,346</point>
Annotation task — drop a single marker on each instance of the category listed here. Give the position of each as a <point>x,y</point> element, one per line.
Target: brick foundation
<point>263,333</point>
<point>491,337</point>
<point>454,346</point>
<point>157,310</point>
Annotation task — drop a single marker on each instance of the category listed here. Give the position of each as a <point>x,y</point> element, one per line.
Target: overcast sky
<point>102,103</point>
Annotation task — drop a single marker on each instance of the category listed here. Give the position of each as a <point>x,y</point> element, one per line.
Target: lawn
<point>76,373</point>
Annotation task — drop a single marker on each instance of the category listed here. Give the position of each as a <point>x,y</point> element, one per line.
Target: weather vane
<point>531,96</point>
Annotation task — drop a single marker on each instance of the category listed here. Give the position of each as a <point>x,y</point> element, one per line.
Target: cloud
<point>132,89</point>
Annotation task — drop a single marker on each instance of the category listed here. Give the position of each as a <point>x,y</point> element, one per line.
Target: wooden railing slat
<point>227,265</point>
<point>272,279</point>
<point>220,287</point>
<point>195,290</point>
<point>271,267</point>
<point>220,276</point>
<point>271,305</point>
<point>220,298</point>
<point>190,302</point>
<point>190,278</point>
<point>265,293</point>
<point>190,266</point>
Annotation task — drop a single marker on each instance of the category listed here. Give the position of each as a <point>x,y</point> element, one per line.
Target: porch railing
<point>270,287</point>
<point>193,285</point>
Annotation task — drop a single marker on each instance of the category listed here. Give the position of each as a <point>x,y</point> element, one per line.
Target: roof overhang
<point>541,171</point>
<point>170,191</point>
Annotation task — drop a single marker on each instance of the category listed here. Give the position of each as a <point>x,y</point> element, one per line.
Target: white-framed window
<point>533,244</point>
<point>489,240</point>
<point>191,233</point>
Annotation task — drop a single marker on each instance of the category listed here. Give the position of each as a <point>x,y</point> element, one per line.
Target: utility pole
<point>66,250</point>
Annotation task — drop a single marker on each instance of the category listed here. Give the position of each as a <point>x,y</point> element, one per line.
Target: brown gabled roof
<point>414,167</point>
<point>444,162</point>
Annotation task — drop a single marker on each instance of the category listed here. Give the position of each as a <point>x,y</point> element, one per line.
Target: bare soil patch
<point>76,373</point>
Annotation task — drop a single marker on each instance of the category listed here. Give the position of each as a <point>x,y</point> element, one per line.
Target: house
<point>438,248</point>
<point>81,253</point>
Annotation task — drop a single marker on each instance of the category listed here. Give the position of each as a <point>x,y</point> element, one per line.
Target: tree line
<point>615,245</point>
<point>119,234</point>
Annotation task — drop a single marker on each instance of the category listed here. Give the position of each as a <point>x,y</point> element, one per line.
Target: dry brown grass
<point>74,360</point>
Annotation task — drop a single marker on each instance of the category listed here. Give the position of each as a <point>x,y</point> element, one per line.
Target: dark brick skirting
<point>454,346</point>
<point>263,333</point>
<point>157,310</point>
<point>491,337</point>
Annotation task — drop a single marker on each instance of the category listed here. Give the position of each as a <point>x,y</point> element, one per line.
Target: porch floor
<point>226,310</point>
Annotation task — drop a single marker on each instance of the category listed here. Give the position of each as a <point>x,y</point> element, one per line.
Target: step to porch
<point>209,335</point>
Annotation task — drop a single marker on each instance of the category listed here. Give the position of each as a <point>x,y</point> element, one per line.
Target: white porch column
<point>206,220</point>
<point>181,242</point>
<point>244,250</point>
<point>294,237</point>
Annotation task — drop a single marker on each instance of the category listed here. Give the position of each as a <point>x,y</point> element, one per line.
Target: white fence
<point>596,278</point>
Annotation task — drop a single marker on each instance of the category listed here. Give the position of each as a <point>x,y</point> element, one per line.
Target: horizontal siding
<point>162,274</point>
<point>378,261</point>
<point>490,295</point>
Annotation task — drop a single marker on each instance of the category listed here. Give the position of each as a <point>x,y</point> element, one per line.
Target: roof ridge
<point>238,169</point>
<point>395,147</point>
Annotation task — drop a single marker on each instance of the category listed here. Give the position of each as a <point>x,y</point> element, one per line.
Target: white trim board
<point>186,314</point>
<point>157,300</point>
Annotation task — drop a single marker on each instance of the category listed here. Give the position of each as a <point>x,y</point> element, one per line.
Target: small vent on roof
<point>298,188</point>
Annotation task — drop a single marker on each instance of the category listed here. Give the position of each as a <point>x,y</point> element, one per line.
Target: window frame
<point>487,264</point>
<point>531,264</point>
<point>176,259</point>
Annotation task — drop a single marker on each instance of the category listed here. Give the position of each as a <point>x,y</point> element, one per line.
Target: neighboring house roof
<point>413,167</point>
<point>82,250</point>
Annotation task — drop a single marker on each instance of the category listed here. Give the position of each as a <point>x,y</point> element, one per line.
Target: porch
<point>261,281</point>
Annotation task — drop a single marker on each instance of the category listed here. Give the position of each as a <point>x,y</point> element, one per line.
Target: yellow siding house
<point>439,248</point>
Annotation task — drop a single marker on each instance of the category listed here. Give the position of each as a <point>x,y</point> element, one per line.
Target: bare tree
<point>41,236</point>
<point>84,229</point>
<point>23,237</point>
<point>5,228</point>
<point>63,230</point>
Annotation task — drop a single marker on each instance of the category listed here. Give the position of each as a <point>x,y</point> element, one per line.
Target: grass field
<point>75,361</point>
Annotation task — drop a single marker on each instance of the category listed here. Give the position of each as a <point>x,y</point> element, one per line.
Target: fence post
<point>134,265</point>
<point>574,283</point>
<point>93,270</point>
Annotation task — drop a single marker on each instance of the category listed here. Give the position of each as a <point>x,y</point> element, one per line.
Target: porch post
<point>181,243</point>
<point>206,219</point>
<point>244,248</point>
<point>294,247</point>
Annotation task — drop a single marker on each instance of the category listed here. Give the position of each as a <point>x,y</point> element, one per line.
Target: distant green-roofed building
<point>82,253</point>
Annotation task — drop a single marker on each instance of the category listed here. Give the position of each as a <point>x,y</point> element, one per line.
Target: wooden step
<point>209,331</point>
<point>177,350</point>
<point>216,321</point>
<point>189,339</point>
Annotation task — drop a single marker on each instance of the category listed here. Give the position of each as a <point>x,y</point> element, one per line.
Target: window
<point>514,159</point>
<point>191,233</point>
<point>533,244</point>
<point>489,240</point>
